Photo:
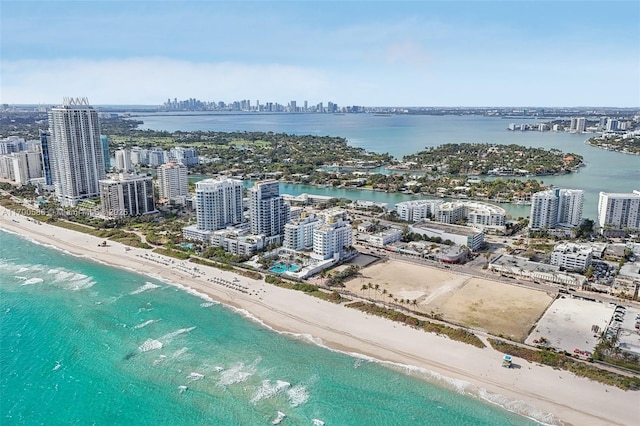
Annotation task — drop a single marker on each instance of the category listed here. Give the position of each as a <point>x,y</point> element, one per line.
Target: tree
<point>363,288</point>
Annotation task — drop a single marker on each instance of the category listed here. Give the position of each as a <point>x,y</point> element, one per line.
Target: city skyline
<point>353,53</point>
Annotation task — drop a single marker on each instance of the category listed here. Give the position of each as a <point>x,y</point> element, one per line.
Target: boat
<point>279,418</point>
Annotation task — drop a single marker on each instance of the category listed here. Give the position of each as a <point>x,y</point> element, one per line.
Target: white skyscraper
<point>619,211</point>
<point>75,151</point>
<point>556,207</point>
<point>172,181</point>
<point>268,212</point>
<point>218,203</point>
<point>127,195</point>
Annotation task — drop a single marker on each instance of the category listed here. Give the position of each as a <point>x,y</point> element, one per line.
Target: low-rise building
<point>461,235</point>
<point>417,210</point>
<point>238,240</point>
<point>572,257</point>
<point>388,236</point>
<point>475,213</point>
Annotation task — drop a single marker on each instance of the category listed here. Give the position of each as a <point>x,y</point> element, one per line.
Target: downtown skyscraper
<point>75,151</point>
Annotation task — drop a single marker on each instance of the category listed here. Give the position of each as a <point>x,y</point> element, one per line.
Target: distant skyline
<point>418,53</point>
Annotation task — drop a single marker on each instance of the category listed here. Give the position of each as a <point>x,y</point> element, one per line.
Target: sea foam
<point>268,389</point>
<point>150,345</point>
<point>146,286</point>
<point>298,395</point>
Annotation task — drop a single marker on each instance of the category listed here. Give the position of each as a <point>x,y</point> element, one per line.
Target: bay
<point>401,135</point>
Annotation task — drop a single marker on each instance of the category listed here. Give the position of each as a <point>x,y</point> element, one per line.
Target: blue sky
<point>418,53</point>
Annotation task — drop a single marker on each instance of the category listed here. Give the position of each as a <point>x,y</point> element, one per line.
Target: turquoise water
<point>82,343</point>
<point>400,135</point>
<point>279,268</point>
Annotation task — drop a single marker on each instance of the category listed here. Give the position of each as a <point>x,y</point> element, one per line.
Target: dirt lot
<point>473,302</point>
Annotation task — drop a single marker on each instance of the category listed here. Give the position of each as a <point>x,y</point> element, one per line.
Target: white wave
<point>195,376</point>
<point>268,389</point>
<point>208,304</point>
<point>167,338</point>
<point>57,366</point>
<point>298,395</point>
<point>159,359</point>
<point>182,388</point>
<point>146,286</point>
<point>179,352</point>
<point>218,368</point>
<point>31,281</point>
<point>317,422</point>
<point>279,418</point>
<point>144,324</point>
<point>22,269</point>
<point>236,374</point>
<point>150,345</point>
<point>18,277</point>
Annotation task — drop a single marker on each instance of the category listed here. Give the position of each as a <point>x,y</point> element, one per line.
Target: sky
<point>370,53</point>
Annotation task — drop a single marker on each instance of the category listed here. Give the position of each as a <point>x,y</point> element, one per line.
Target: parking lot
<point>568,324</point>
<point>623,326</point>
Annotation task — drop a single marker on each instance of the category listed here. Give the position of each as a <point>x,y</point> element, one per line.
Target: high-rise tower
<point>268,212</point>
<point>75,151</point>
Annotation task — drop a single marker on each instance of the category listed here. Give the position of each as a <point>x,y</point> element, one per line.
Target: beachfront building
<point>298,234</point>
<point>473,213</point>
<point>45,139</point>
<point>334,238</point>
<point>417,210</point>
<point>268,213</point>
<point>238,240</point>
<point>467,236</point>
<point>173,184</point>
<point>127,195</point>
<point>21,166</point>
<point>218,203</point>
<point>619,211</point>
<point>556,208</point>
<point>75,151</point>
<point>571,257</point>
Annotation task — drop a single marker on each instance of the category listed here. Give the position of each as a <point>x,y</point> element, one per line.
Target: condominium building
<point>619,210</point>
<point>571,256</point>
<point>298,234</point>
<point>104,140</point>
<point>218,203</point>
<point>127,195</point>
<point>556,208</point>
<point>416,210</point>
<point>75,151</point>
<point>172,182</point>
<point>186,156</point>
<point>21,166</point>
<point>268,213</point>
<point>332,238</point>
<point>474,213</point>
<point>123,160</point>
<point>45,139</point>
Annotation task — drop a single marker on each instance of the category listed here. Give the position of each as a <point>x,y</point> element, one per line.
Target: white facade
<point>416,210</point>
<point>186,156</point>
<point>477,214</point>
<point>21,166</point>
<point>173,183</point>
<point>238,241</point>
<point>619,211</point>
<point>75,151</point>
<point>556,207</point>
<point>268,213</point>
<point>123,160</point>
<point>298,235</point>
<point>127,195</point>
<point>461,235</point>
<point>383,238</point>
<point>218,203</point>
<point>330,240</point>
<point>571,256</point>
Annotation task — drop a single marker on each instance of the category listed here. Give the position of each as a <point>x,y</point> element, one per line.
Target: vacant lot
<point>479,303</point>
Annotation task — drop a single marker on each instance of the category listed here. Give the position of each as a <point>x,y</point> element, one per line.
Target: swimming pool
<point>279,268</point>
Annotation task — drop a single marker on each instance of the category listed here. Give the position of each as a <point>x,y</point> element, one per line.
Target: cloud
<point>153,80</point>
<point>407,53</point>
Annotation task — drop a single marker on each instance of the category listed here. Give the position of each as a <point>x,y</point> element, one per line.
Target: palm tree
<point>370,286</point>
<point>376,287</point>
<point>363,288</point>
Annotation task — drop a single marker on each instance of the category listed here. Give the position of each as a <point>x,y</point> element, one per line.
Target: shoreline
<point>531,391</point>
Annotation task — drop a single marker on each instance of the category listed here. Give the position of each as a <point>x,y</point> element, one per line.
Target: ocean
<point>83,343</point>
<point>401,135</point>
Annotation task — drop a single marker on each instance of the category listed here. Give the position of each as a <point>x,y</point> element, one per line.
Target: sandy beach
<point>547,395</point>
